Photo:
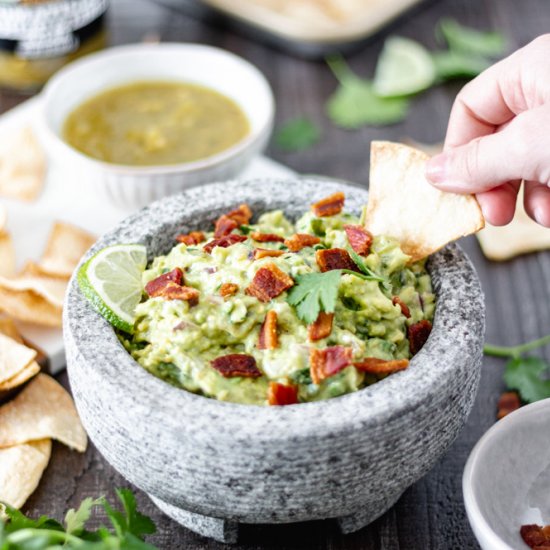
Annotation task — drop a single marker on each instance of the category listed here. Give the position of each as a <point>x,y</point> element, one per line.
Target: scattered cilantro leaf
<point>76,519</point>
<point>354,104</point>
<point>453,64</point>
<point>466,40</point>
<point>136,523</point>
<point>529,376</point>
<point>297,135</point>
<point>245,229</point>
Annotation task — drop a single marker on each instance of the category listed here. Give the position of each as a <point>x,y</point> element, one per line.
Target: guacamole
<point>277,312</point>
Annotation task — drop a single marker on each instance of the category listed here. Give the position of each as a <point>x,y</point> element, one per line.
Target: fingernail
<point>436,168</point>
<point>540,216</point>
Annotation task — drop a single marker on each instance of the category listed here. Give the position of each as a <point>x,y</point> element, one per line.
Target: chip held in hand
<point>404,205</point>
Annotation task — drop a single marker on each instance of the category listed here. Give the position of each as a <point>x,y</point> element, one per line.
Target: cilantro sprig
<point>126,532</point>
<point>297,134</point>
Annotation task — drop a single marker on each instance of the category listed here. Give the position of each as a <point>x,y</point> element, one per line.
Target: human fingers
<point>536,201</point>
<point>499,204</point>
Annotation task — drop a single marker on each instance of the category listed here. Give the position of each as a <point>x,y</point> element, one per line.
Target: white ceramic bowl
<point>506,481</point>
<point>134,186</point>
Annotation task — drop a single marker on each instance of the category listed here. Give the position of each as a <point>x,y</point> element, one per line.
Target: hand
<point>499,135</point>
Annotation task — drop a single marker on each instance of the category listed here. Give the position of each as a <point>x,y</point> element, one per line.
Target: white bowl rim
<point>472,508</point>
<point>183,167</point>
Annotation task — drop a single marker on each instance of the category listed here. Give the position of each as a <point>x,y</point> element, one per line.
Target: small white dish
<point>131,187</point>
<point>506,481</point>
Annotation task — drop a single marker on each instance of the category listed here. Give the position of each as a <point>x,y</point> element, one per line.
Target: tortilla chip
<point>66,245</point>
<point>22,165</point>
<point>30,307</point>
<point>32,369</point>
<point>7,255</point>
<point>14,357</point>
<point>403,205</point>
<point>21,468</point>
<point>44,409</point>
<point>8,328</point>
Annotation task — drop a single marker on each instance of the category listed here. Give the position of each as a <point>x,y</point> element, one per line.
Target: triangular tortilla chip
<point>21,468</point>
<point>8,328</point>
<point>28,306</point>
<point>32,369</point>
<point>44,409</point>
<point>14,358</point>
<point>7,255</point>
<point>66,245</point>
<point>22,165</point>
<point>402,204</point>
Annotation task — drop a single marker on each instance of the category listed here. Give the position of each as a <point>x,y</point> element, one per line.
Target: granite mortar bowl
<point>212,465</point>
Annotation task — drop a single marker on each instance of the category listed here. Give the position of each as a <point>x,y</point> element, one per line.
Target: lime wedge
<point>405,67</point>
<point>111,281</point>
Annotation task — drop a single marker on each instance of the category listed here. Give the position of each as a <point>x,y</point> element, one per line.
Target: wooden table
<point>430,515</point>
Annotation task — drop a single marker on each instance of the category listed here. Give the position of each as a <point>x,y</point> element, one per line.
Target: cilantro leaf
<point>297,134</point>
<point>454,64</point>
<point>136,523</point>
<point>354,104</point>
<point>470,41</point>
<point>76,519</point>
<point>313,293</point>
<point>528,375</point>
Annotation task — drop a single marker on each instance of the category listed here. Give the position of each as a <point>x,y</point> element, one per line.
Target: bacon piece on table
<point>404,307</point>
<point>535,536</point>
<point>154,287</point>
<point>508,402</point>
<point>190,239</point>
<point>301,240</point>
<point>260,253</point>
<point>268,332</point>
<point>373,365</point>
<point>236,364</point>
<point>328,362</point>
<point>329,206</point>
<point>281,394</point>
<point>418,334</point>
<point>228,289</point>
<point>335,258</point>
<point>266,237</point>
<point>224,242</point>
<point>269,282</point>
<point>359,238</point>
<point>321,327</point>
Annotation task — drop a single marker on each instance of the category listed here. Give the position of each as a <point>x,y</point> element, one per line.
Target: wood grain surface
<point>430,515</point>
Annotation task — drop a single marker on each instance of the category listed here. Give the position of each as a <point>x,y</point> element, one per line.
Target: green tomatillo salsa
<point>277,312</point>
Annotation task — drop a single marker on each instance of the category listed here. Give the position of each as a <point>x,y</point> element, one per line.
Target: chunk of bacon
<point>269,282</point>
<point>155,287</point>
<point>373,365</point>
<point>190,239</point>
<point>321,327</point>
<point>269,338</point>
<point>418,334</point>
<point>328,362</point>
<point>241,215</point>
<point>329,206</point>
<point>301,240</point>
<point>260,253</point>
<point>173,291</point>
<point>396,300</point>
<point>359,238</point>
<point>508,402</point>
<point>335,258</point>
<point>224,242</point>
<point>535,536</point>
<point>281,394</point>
<point>236,364</point>
<point>266,237</point>
<point>228,289</point>
<point>224,226</point>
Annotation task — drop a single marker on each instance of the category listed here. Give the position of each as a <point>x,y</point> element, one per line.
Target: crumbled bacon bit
<point>173,291</point>
<point>535,536</point>
<point>373,365</point>
<point>228,289</point>
<point>281,394</point>
<point>195,237</point>
<point>328,361</point>
<point>269,282</point>
<point>224,242</point>
<point>236,364</point>
<point>301,240</point>
<point>266,237</point>
<point>404,307</point>
<point>334,258</point>
<point>268,332</point>
<point>508,402</point>
<point>418,334</point>
<point>321,327</point>
<point>329,206</point>
<point>241,215</point>
<point>224,226</point>
<point>154,287</point>
<point>359,238</point>
<point>260,253</point>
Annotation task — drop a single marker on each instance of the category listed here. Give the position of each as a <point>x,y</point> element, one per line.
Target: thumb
<point>518,151</point>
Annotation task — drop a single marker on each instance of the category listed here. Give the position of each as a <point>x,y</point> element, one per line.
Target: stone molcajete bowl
<point>212,465</point>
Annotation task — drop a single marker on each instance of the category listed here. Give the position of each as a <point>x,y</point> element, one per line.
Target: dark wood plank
<point>430,515</point>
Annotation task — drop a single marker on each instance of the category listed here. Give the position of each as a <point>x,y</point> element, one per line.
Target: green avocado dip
<point>277,312</point>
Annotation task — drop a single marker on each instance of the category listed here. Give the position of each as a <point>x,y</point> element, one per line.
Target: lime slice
<point>405,67</point>
<point>111,281</point>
